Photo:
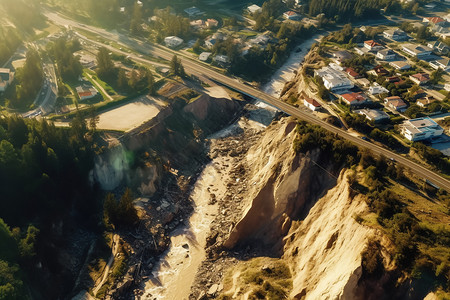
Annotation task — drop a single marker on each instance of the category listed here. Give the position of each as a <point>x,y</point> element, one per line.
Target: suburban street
<point>199,69</point>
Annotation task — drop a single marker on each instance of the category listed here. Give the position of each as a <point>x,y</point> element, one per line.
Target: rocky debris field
<point>232,150</point>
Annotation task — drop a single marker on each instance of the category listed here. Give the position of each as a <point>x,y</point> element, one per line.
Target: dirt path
<point>115,247</point>
<point>98,86</point>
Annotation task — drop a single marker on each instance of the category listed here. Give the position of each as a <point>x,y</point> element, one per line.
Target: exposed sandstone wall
<point>283,185</point>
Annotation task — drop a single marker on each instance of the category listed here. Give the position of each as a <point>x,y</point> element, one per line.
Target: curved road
<point>198,68</point>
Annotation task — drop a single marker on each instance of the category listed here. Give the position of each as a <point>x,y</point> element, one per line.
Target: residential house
<point>379,71</point>
<point>424,102</point>
<point>197,23</point>
<point>254,9</point>
<point>417,94</point>
<point>362,50</point>
<point>418,51</point>
<point>210,42</point>
<point>377,89</point>
<point>420,78</point>
<point>193,11</point>
<point>374,115</point>
<point>420,129</point>
<point>86,91</point>
<point>433,20</point>
<point>6,77</point>
<point>173,41</point>
<point>386,54</point>
<point>447,87</point>
<point>373,45</point>
<point>400,65</point>
<point>363,81</point>
<point>221,59</point>
<point>204,56</point>
<point>334,80</point>
<point>291,15</point>
<point>443,64</point>
<point>395,103</point>
<point>311,103</point>
<point>393,79</point>
<point>354,99</point>
<point>395,34</point>
<point>438,47</point>
<point>211,23</point>
<point>352,73</point>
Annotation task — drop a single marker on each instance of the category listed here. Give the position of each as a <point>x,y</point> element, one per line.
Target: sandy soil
<point>286,72</point>
<point>131,115</point>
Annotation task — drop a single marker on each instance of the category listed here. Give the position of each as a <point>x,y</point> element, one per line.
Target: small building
<point>438,47</point>
<point>193,11</point>
<point>395,34</point>
<point>420,78</point>
<point>377,89</point>
<point>209,43</point>
<point>374,115</point>
<point>212,23</point>
<point>352,73</point>
<point>418,51</point>
<point>86,91</point>
<point>424,102</point>
<point>363,82</point>
<point>291,15</point>
<point>393,79</point>
<point>173,41</point>
<point>197,23</point>
<point>420,129</point>
<point>254,9</point>
<point>400,65</point>
<point>311,103</point>
<point>354,99</point>
<point>334,80</point>
<point>433,20</point>
<point>373,45</point>
<point>204,56</point>
<point>6,77</point>
<point>417,94</point>
<point>395,103</point>
<point>447,87</point>
<point>379,71</point>
<point>443,64</point>
<point>221,59</point>
<point>386,54</point>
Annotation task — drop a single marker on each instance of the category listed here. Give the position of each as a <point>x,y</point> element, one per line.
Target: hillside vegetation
<point>43,182</point>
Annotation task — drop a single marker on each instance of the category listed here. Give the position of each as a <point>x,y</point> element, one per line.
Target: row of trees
<point>28,81</point>
<point>10,41</point>
<point>138,79</point>
<point>349,10</point>
<point>62,51</point>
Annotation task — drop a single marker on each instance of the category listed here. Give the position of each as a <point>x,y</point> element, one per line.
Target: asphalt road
<point>198,68</point>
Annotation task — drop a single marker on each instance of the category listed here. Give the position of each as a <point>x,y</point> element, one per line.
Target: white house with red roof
<point>311,103</point>
<point>433,20</point>
<point>291,15</point>
<point>373,45</point>
<point>420,78</point>
<point>395,103</point>
<point>355,99</point>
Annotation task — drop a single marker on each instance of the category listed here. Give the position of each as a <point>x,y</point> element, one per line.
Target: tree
<point>136,20</point>
<point>176,67</point>
<point>151,82</point>
<point>436,76</point>
<point>104,62</point>
<point>94,118</point>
